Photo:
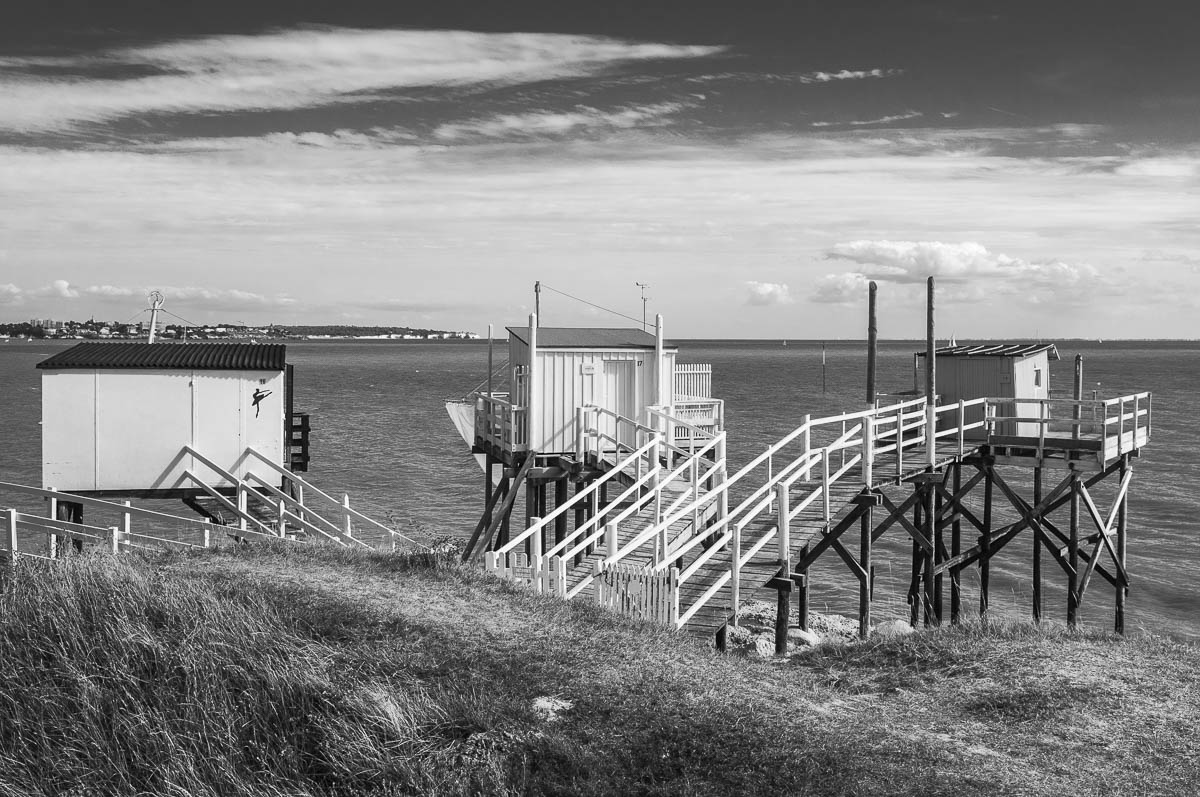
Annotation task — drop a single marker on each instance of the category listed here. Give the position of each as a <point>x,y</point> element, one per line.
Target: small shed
<point>116,416</point>
<point>554,370</point>
<point>996,370</point>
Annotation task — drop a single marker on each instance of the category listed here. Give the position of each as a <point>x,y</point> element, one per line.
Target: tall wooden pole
<point>930,380</point>
<point>1073,555</point>
<point>872,344</point>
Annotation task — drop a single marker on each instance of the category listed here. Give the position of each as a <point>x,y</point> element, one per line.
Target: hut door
<point>620,396</point>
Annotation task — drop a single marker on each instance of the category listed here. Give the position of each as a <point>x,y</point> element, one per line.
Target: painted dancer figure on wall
<point>259,395</point>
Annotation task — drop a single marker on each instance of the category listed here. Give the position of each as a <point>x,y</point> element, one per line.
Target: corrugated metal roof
<point>586,338</point>
<point>193,356</point>
<point>995,350</point>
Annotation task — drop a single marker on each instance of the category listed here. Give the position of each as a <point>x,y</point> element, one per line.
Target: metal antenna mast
<point>643,286</point>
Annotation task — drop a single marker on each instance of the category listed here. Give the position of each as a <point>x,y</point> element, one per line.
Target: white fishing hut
<point>116,417</point>
<point>996,370</point>
<point>555,370</point>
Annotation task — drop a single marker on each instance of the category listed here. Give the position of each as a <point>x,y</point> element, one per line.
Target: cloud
<point>60,289</point>
<point>767,293</point>
<point>296,69</point>
<point>963,265</point>
<point>882,120</point>
<point>846,288</point>
<point>545,123</point>
<point>11,294</point>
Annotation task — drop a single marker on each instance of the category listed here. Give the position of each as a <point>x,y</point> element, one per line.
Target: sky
<point>754,164</point>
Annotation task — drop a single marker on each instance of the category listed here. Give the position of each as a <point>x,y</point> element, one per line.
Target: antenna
<point>156,303</point>
<point>643,286</point>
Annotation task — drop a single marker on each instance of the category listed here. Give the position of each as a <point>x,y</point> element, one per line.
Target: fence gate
<point>636,592</point>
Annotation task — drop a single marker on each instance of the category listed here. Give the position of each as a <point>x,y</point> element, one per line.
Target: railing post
<point>962,421</point>
<point>783,523</point>
<point>868,455</point>
<point>610,540</point>
<point>207,533</point>
<point>53,541</point>
<point>580,422</point>
<point>695,493</point>
<point>348,529</point>
<point>656,452</point>
<point>1120,427</point>
<point>560,566</point>
<point>536,549</point>
<point>114,537</point>
<point>242,503</point>
<point>723,477</point>
<point>900,442</point>
<point>931,433</point>
<point>12,536</point>
<point>735,586</point>
<point>1043,420</point>
<point>825,483</point>
<point>128,521</point>
<point>806,474</point>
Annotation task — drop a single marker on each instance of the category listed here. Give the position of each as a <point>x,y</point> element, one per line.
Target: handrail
<point>314,489</point>
<point>591,488</point>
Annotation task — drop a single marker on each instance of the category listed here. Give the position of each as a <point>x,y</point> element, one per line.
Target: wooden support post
<point>864,559</point>
<point>914,585</point>
<point>345,503</point>
<point>802,581</point>
<point>1037,548</point>
<point>937,537</point>
<point>781,613</point>
<point>13,542</point>
<point>560,498</point>
<point>502,536</point>
<point>985,545</point>
<point>1073,556</point>
<point>930,380</point>
<point>1122,539</point>
<point>930,554</point>
<point>70,512</point>
<point>580,515</point>
<point>872,343</point>
<point>489,462</point>
<point>782,582</point>
<point>956,549</point>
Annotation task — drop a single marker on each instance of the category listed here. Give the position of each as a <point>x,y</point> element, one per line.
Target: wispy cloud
<point>974,271</point>
<point>882,120</point>
<point>765,294</point>
<point>548,123</point>
<point>297,69</point>
<point>193,297</point>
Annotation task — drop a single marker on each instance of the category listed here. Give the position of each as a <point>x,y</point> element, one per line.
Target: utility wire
<point>590,304</point>
<point>181,318</point>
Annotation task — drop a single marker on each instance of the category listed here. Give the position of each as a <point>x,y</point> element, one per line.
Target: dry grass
<point>287,670</point>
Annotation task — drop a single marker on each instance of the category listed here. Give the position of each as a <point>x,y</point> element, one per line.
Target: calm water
<point>381,434</point>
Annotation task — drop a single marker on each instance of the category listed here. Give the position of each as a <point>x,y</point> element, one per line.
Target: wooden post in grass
<point>560,498</point>
<point>985,546</point>
<point>914,585</point>
<point>937,537</point>
<point>70,512</point>
<point>1073,555</point>
<point>1122,538</point>
<point>955,549</point>
<point>1037,548</point>
<point>782,583</point>
<point>801,579</point>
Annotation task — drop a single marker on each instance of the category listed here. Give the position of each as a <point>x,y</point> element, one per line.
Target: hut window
<point>1037,377</point>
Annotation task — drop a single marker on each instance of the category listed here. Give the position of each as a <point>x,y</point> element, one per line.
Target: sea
<point>380,433</point>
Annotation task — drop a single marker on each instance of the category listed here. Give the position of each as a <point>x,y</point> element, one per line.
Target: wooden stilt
<point>1122,538</point>
<point>955,549</point>
<point>1037,549</point>
<point>580,514</point>
<point>985,542</point>
<point>914,586</point>
<point>939,552</point>
<point>864,584</point>
<point>1073,556</point>
<point>802,592</point>
<point>930,556</point>
<point>560,498</point>
<point>69,512</point>
<point>782,605</point>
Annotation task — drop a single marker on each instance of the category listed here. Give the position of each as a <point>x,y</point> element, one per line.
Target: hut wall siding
<point>141,419</point>
<point>572,378</point>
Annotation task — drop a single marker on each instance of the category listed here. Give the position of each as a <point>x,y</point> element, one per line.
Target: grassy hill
<point>292,671</point>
